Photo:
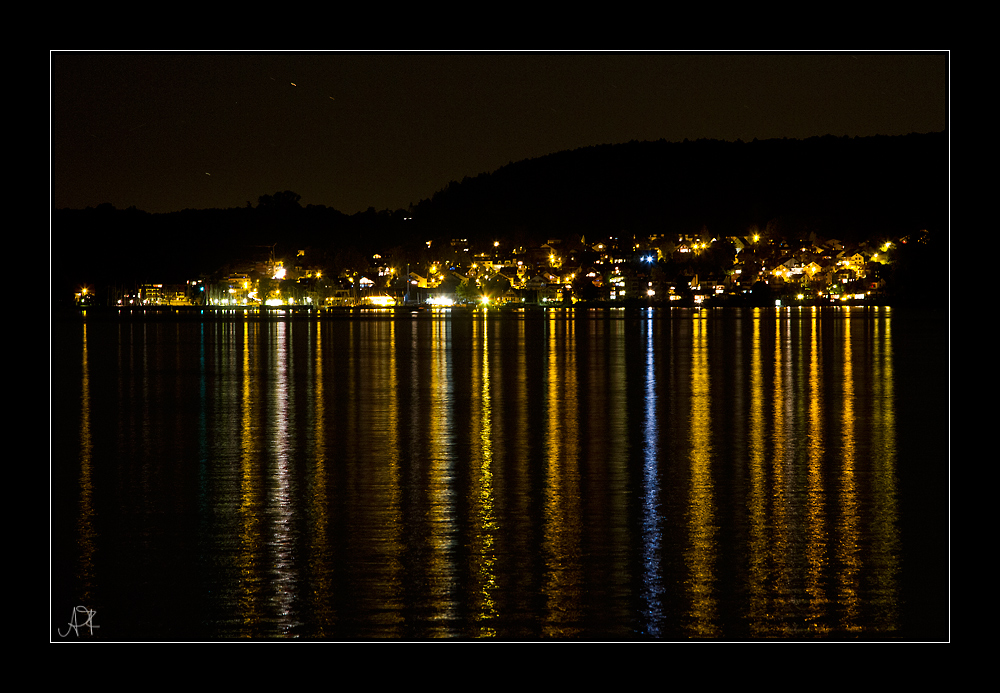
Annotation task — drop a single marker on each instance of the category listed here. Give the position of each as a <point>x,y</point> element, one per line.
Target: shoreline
<point>421,310</point>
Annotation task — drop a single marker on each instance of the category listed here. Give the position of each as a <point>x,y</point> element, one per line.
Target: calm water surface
<point>599,475</point>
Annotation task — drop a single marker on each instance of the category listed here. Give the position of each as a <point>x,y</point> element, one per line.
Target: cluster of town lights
<point>550,285</point>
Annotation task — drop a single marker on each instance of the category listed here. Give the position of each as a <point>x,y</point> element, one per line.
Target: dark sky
<point>169,131</point>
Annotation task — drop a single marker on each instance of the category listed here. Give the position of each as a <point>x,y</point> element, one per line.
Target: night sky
<point>171,131</point>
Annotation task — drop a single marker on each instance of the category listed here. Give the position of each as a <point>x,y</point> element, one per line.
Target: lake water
<point>676,474</point>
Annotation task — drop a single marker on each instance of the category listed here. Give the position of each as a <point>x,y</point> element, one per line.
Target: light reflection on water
<point>671,474</point>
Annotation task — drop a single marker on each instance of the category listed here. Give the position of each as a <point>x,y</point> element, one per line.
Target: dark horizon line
<point>510,163</point>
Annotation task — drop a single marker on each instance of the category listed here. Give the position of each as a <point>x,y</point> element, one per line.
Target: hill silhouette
<point>849,188</point>
<point>846,188</point>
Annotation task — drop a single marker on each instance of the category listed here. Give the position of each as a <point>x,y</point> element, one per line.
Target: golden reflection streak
<point>758,610</point>
<point>562,528</point>
<point>781,542</point>
<point>886,513</point>
<point>442,504</point>
<point>394,486</point>
<point>250,508</point>
<point>387,488</point>
<point>484,554</point>
<point>701,555</point>
<point>571,460</point>
<point>86,533</point>
<point>376,504</point>
<point>815,512</point>
<point>321,594</point>
<point>522,531</point>
<point>848,540</point>
<point>619,482</point>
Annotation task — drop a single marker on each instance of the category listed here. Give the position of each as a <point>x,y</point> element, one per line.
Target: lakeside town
<point>661,269</point>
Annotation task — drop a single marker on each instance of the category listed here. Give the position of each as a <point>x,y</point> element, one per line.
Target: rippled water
<point>599,475</point>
